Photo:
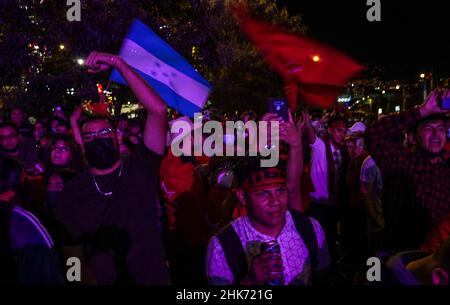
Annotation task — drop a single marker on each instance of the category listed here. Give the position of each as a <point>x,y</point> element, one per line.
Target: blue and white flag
<point>170,75</point>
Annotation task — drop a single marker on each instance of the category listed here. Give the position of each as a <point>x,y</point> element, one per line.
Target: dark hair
<point>16,107</point>
<point>60,120</point>
<point>250,113</point>
<point>76,164</point>
<point>9,124</point>
<point>431,118</point>
<point>96,118</point>
<point>39,121</point>
<point>10,172</point>
<point>68,140</point>
<point>250,165</point>
<point>337,117</point>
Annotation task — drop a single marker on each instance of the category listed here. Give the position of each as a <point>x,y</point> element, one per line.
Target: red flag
<point>316,71</point>
<point>98,109</point>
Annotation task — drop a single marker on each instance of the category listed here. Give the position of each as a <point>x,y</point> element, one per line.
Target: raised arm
<point>291,135</point>
<point>75,127</point>
<point>387,154</point>
<point>308,129</point>
<point>156,124</point>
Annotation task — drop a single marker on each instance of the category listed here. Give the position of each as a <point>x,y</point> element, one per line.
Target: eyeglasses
<point>60,149</point>
<point>9,136</point>
<point>102,133</point>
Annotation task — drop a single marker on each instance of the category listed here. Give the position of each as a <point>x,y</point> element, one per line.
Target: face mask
<point>100,153</point>
<point>225,179</point>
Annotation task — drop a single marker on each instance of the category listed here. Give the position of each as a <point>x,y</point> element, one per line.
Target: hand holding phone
<point>445,103</point>
<point>279,106</point>
<point>444,99</point>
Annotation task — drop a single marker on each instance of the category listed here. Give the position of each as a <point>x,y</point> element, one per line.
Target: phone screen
<point>445,104</point>
<point>279,106</point>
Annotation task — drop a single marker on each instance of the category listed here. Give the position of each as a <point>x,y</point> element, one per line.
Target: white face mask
<point>225,179</point>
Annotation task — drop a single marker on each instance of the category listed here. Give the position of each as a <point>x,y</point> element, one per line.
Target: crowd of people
<point>113,194</point>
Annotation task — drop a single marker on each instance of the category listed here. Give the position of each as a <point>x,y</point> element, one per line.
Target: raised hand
<point>431,105</point>
<point>99,62</point>
<point>289,133</point>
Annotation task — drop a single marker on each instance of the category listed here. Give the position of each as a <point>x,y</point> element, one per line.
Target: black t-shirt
<point>120,233</point>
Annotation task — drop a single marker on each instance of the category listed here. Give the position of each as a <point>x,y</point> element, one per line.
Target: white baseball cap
<point>357,127</point>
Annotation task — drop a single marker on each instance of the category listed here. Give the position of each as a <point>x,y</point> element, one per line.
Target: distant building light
<point>422,75</point>
<point>380,110</point>
<point>383,92</point>
<point>397,87</point>
<point>80,61</point>
<point>397,108</point>
<point>316,58</point>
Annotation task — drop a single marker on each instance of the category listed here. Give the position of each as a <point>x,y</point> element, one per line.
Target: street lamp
<point>316,58</point>
<point>422,75</point>
<point>61,47</point>
<point>397,87</point>
<point>80,61</point>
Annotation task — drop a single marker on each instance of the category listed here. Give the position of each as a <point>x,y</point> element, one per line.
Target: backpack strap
<point>234,252</point>
<point>306,230</point>
<point>8,274</point>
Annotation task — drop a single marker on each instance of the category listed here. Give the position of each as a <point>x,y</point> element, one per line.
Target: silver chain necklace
<point>96,185</point>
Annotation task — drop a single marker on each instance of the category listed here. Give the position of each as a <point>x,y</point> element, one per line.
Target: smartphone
<point>279,106</point>
<point>445,105</point>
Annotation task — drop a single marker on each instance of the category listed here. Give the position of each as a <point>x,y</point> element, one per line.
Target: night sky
<point>413,36</point>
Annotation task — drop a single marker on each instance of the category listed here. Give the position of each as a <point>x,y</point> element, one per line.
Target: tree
<point>36,71</point>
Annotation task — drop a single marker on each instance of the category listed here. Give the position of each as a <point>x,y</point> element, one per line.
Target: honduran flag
<point>170,75</point>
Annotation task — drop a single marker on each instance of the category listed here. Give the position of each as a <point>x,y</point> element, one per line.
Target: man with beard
<point>111,211</point>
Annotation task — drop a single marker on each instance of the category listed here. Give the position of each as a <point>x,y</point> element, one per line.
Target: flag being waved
<point>315,71</point>
<point>170,75</point>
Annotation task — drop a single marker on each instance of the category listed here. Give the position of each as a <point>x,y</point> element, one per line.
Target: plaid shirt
<point>414,188</point>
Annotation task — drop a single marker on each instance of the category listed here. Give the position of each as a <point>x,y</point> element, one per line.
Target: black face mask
<point>101,153</point>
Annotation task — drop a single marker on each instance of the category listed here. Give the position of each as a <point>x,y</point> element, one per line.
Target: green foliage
<point>40,78</point>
